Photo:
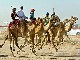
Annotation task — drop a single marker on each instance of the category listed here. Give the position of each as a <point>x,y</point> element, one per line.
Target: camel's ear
<point>71,16</point>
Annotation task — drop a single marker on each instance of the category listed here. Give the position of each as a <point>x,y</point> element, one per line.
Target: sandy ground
<point>69,50</point>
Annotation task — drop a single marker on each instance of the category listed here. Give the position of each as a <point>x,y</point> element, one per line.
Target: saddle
<point>11,24</point>
<point>33,20</point>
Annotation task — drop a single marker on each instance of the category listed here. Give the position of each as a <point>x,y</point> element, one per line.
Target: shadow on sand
<point>23,57</point>
<point>3,55</point>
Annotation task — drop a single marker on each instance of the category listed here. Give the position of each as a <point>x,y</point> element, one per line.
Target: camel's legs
<point>48,37</point>
<point>60,40</point>
<point>4,41</point>
<point>16,43</point>
<point>36,38</point>
<point>22,46</point>
<point>11,47</point>
<point>68,37</point>
<point>45,39</point>
<point>53,38</point>
<point>42,39</point>
<point>32,38</point>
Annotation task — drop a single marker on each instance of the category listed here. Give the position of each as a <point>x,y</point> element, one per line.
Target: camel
<point>61,29</point>
<point>12,35</point>
<point>69,25</point>
<point>37,29</point>
<point>15,31</point>
<point>66,26</point>
<point>29,34</point>
<point>41,29</point>
<point>54,26</point>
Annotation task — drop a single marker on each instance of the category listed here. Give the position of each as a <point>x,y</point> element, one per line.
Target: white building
<point>74,32</point>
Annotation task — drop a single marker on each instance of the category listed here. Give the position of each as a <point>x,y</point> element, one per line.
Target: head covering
<point>21,7</point>
<point>53,13</point>
<point>32,10</point>
<point>47,13</point>
<point>14,9</point>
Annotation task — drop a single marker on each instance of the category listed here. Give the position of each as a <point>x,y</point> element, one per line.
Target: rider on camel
<point>47,18</point>
<point>32,18</point>
<point>55,17</point>
<point>21,14</point>
<point>13,16</point>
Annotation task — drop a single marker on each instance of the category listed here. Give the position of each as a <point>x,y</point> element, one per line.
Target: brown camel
<point>66,27</point>
<point>15,31</point>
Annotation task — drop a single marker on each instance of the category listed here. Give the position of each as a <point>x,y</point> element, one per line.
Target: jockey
<point>32,14</point>
<point>55,18</point>
<point>47,18</point>
<point>32,18</point>
<point>53,14</point>
<point>14,15</point>
<point>21,14</point>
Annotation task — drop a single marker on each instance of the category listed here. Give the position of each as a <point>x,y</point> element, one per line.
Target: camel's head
<point>41,20</point>
<point>38,21</point>
<point>29,23</point>
<point>66,21</point>
<point>38,18</point>
<point>73,19</point>
<point>55,19</point>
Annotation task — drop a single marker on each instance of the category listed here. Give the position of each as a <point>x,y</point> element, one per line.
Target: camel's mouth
<point>77,19</point>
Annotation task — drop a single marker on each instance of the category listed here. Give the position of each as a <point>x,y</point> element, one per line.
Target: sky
<point>63,8</point>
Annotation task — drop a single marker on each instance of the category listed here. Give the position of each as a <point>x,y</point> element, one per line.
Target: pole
<point>53,10</point>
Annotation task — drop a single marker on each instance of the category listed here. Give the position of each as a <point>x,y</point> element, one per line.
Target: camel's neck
<point>68,28</point>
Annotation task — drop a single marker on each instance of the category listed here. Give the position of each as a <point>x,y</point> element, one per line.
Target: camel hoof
<point>34,51</point>
<point>46,44</point>
<point>23,51</point>
<point>14,56</point>
<point>31,46</point>
<point>35,54</point>
<point>36,45</point>
<point>0,46</point>
<point>38,48</point>
<point>49,48</point>
<point>21,46</point>
<point>56,50</point>
<point>13,49</point>
<point>18,52</point>
<point>52,46</point>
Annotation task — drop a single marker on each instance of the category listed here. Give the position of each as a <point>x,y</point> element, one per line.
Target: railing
<point>3,26</point>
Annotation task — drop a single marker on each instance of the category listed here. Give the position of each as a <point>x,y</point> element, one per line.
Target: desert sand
<point>69,50</point>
